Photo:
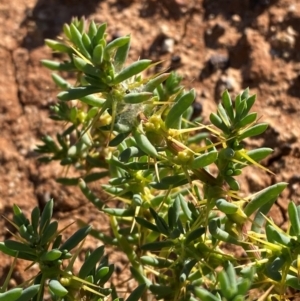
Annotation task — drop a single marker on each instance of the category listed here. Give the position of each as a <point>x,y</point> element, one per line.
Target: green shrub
<point>177,179</point>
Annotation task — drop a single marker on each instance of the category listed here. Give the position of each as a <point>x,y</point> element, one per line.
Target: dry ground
<point>215,45</point>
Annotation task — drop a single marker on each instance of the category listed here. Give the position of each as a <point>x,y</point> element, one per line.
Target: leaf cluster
<point>39,241</point>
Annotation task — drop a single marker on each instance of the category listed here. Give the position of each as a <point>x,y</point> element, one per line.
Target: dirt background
<point>215,45</point>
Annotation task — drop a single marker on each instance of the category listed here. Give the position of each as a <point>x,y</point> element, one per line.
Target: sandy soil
<point>239,44</point>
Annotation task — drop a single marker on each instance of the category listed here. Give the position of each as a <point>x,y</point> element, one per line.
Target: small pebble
<point>219,61</point>
<point>236,18</point>
<point>176,59</point>
<point>167,45</point>
<point>228,82</point>
<point>197,109</point>
<point>292,8</point>
<point>12,282</point>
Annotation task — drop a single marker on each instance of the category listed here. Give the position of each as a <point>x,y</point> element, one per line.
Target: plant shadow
<point>46,19</point>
